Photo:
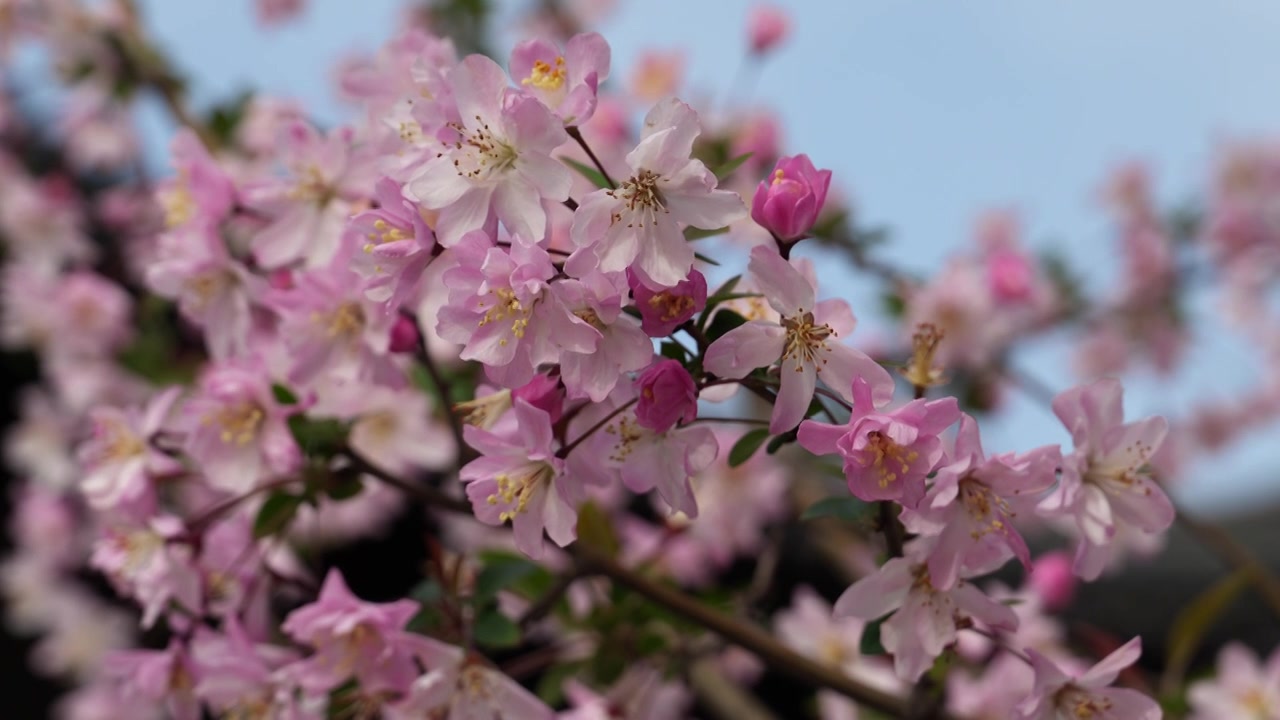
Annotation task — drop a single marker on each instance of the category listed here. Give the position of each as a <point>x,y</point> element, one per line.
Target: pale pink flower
<point>543,392</point>
<point>234,674</point>
<point>638,224</point>
<point>393,429</point>
<point>147,562</point>
<point>42,222</point>
<point>275,12</point>
<point>788,201</point>
<point>236,430</point>
<point>1244,688</point>
<point>119,458</point>
<point>1105,482</point>
<point>767,27</point>
<point>1052,580</point>
<point>392,245</point>
<point>973,502</point>
<point>642,693</point>
<point>886,454</point>
<point>803,342</point>
<point>662,311</point>
<point>520,479</point>
<point>926,618</point>
<point>566,82</point>
<point>500,162</point>
<point>458,688</point>
<point>1058,695</point>
<point>353,639</point>
<point>104,700</point>
<point>621,346</point>
<point>164,677</point>
<point>200,192</point>
<point>667,395</point>
<point>656,75</point>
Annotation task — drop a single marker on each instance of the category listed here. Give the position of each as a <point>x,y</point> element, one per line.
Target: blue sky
<point>928,113</point>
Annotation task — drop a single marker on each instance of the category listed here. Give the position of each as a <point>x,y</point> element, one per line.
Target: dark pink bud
<point>404,335</point>
<point>787,202</point>
<point>667,395</point>
<point>281,279</point>
<point>1052,579</point>
<point>543,392</point>
<point>767,26</point>
<point>662,312</point>
<point>1009,275</point>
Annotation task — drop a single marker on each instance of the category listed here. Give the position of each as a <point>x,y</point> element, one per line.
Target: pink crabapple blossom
<point>566,82</point>
<point>788,201</point>
<point>1058,695</point>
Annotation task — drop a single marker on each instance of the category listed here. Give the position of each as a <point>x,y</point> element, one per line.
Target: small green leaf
<point>747,446</point>
<point>870,645</point>
<point>722,322</point>
<point>275,514</point>
<point>343,486</point>
<point>495,630</point>
<point>500,575</point>
<point>1191,624</point>
<point>595,529</point>
<point>692,233</point>
<point>845,508</point>
<point>786,438</point>
<point>893,304</point>
<point>322,437</point>
<point>588,172</point>
<point>283,395</point>
<point>673,350</point>
<point>727,169</point>
<point>706,259</point>
<point>726,289</point>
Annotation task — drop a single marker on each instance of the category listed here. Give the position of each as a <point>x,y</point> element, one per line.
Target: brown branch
<point>577,137</point>
<point>1235,556</point>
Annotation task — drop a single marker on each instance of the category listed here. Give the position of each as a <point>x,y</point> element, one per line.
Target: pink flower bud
<point>767,27</point>
<point>1052,579</point>
<point>788,202</point>
<point>543,392</point>
<point>281,279</point>
<point>404,335</point>
<point>667,395</point>
<point>1009,275</point>
<point>662,312</point>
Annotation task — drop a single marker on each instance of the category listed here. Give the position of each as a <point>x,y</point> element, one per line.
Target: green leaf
<point>550,686</point>
<point>595,529</point>
<point>692,233</point>
<point>845,508</point>
<point>706,259</point>
<point>778,441</point>
<point>499,575</point>
<point>673,350</point>
<point>588,172</point>
<point>747,446</point>
<point>343,486</point>
<point>727,169</point>
<point>322,437</point>
<point>275,514</point>
<point>1198,616</point>
<point>723,321</point>
<point>724,290</point>
<point>870,645</point>
<point>495,630</point>
<point>283,395</point>
<point>893,304</point>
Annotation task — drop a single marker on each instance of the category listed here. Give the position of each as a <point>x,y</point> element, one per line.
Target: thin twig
<point>577,137</point>
<point>425,493</point>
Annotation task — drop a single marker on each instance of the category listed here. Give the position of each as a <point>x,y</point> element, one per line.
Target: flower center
<point>312,187</point>
<point>507,306</point>
<point>518,488</point>
<point>805,340</point>
<point>889,459</point>
<point>481,154</point>
<point>484,411</point>
<point>629,433</point>
<point>639,193</point>
<point>205,286</point>
<point>546,76</point>
<point>239,422</point>
<point>384,233</point>
<point>177,203</point>
<point>671,306</point>
<point>590,317</point>
<point>118,441</point>
<point>1081,704</point>
<point>346,321</point>
<point>985,508</point>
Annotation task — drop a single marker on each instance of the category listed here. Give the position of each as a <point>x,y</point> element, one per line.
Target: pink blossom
<point>667,395</point>
<point>144,562</point>
<point>234,673</point>
<point>459,688</point>
<point>1052,580</point>
<point>886,454</point>
<point>392,245</point>
<point>275,12</point>
<point>393,429</point>
<point>200,192</point>
<point>656,75</point>
<point>787,202</point>
<point>164,677</point>
<point>564,82</point>
<point>500,162</point>
<point>621,346</point>
<point>520,479</point>
<point>802,342</point>
<point>662,311</point>
<point>119,458</point>
<point>767,27</point>
<point>1059,695</point>
<point>236,430</point>
<point>926,617</point>
<point>973,502</point>
<point>1105,483</point>
<point>353,639</point>
<point>642,693</point>
<point>1243,687</point>
<point>404,336</point>
<point>637,224</point>
<point>543,392</point>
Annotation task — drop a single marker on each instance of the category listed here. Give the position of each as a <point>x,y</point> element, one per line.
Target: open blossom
<point>662,311</point>
<point>926,618</point>
<point>119,457</point>
<point>1243,688</point>
<point>788,201</point>
<point>164,677</point>
<point>236,429</point>
<point>566,82</point>
<point>144,562</point>
<point>1058,695</point>
<point>637,225</point>
<point>520,479</point>
<point>621,346</point>
<point>803,342</point>
<point>667,395</point>
<point>642,693</point>
<point>973,502</point>
<point>887,455</point>
<point>456,687</point>
<point>1105,482</point>
<point>500,162</point>
<point>200,192</point>
<point>353,639</point>
<point>234,674</point>
<point>500,310</point>
<point>393,245</point>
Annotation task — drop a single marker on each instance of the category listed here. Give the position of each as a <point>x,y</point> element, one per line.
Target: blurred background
<point>929,115</point>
